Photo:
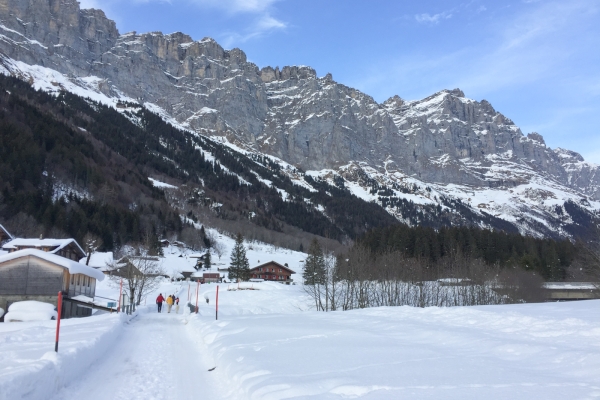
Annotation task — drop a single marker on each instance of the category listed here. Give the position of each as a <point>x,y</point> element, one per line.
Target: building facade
<point>33,274</point>
<point>272,271</point>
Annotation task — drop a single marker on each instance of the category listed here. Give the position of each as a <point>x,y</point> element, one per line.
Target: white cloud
<point>264,25</point>
<point>234,6</point>
<point>266,22</point>
<point>432,19</point>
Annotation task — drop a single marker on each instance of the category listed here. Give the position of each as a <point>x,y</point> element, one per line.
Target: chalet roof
<point>73,266</point>
<point>273,262</point>
<point>58,243</point>
<point>6,232</point>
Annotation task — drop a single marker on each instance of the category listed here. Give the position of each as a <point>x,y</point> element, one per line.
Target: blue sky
<point>536,61</point>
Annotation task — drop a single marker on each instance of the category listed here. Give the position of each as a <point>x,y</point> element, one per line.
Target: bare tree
<point>140,271</point>
<point>91,244</point>
<point>218,248</point>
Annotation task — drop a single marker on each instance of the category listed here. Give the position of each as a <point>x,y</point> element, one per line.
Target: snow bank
<point>29,367</point>
<point>30,310</point>
<point>543,351</point>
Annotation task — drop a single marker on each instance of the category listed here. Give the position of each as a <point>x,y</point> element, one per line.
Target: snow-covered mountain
<point>456,158</point>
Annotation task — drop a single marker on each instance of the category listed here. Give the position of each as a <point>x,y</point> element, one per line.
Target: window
<point>78,279</point>
<point>72,279</point>
<point>88,281</point>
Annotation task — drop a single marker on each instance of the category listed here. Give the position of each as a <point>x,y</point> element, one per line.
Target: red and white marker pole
<point>120,295</point>
<point>197,291</point>
<point>59,308</point>
<point>217,309</point>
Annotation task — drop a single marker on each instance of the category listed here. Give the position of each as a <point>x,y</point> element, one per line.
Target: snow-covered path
<point>154,358</point>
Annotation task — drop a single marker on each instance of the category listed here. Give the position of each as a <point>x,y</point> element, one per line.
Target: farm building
<point>67,248</point>
<point>272,271</point>
<point>33,274</point>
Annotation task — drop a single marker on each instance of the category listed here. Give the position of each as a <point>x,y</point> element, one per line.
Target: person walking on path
<point>169,303</point>
<point>159,301</point>
<point>177,305</point>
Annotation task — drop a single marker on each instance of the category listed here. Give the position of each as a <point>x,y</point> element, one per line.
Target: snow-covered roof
<point>571,285</point>
<point>99,260</point>
<point>58,243</point>
<point>276,263</point>
<point>73,266</point>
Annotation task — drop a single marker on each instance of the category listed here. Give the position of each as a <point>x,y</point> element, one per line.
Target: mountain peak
<point>456,92</point>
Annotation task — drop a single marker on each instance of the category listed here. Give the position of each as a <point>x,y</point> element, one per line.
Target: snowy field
<point>269,344</point>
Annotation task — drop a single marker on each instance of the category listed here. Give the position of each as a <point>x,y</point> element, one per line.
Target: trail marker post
<point>59,308</point>
<point>217,309</point>
<point>197,291</point>
<point>120,295</point>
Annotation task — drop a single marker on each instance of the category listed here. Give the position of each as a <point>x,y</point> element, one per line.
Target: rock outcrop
<point>311,122</point>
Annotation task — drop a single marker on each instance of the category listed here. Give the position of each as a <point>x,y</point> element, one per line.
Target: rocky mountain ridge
<point>456,147</point>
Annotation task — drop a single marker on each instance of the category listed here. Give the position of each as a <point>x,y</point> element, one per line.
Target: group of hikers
<point>170,301</point>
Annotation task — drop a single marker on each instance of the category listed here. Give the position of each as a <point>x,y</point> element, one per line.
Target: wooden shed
<point>33,274</point>
<point>272,271</point>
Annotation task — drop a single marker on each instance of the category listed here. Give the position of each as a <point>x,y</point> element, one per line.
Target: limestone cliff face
<point>311,122</point>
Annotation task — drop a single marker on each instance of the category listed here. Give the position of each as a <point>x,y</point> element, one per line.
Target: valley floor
<point>268,344</point>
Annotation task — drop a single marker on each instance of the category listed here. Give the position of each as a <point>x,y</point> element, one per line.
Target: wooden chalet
<point>211,277</point>
<point>32,274</point>
<point>68,248</point>
<point>272,271</point>
<point>4,235</point>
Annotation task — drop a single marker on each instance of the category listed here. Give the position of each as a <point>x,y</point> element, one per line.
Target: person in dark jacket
<point>159,301</point>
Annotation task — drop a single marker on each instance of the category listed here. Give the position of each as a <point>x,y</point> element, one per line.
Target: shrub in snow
<point>30,310</point>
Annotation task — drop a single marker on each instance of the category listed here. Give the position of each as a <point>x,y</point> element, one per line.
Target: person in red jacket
<point>159,301</point>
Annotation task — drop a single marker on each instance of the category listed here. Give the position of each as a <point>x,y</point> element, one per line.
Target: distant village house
<point>272,271</point>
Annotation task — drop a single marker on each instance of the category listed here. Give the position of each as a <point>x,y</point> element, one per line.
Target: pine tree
<point>239,268</point>
<point>314,268</point>
<point>207,260</point>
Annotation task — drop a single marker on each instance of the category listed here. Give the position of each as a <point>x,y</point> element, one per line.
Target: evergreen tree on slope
<point>239,268</point>
<point>314,268</point>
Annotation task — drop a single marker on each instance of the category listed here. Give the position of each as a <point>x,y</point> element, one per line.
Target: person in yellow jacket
<point>169,303</point>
